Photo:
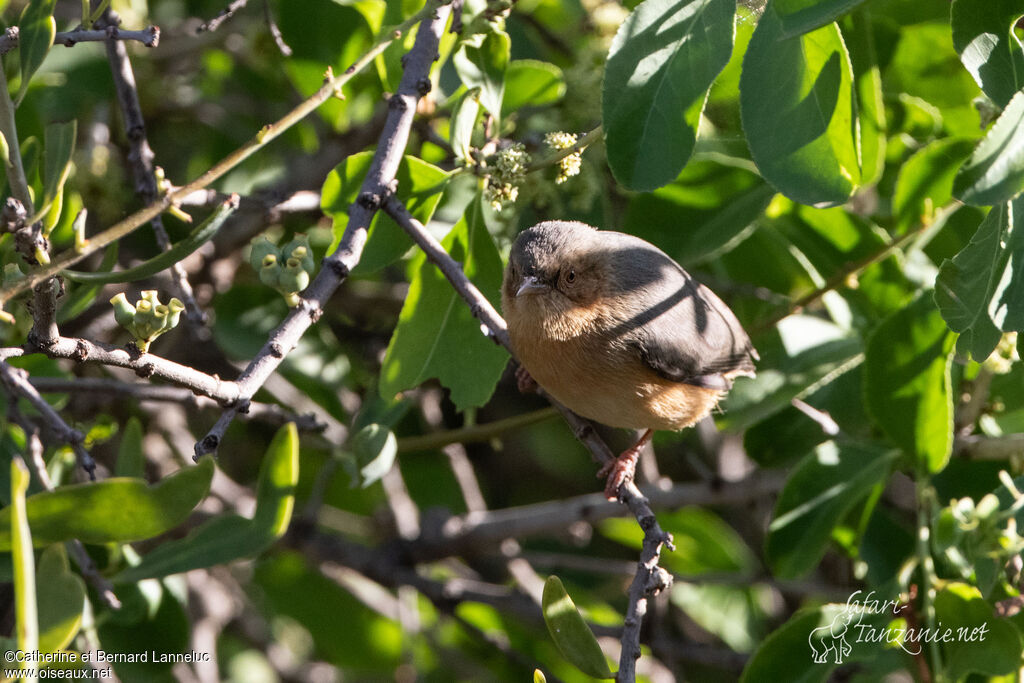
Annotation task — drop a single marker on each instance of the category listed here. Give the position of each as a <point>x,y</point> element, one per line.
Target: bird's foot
<point>622,469</point>
<point>525,382</point>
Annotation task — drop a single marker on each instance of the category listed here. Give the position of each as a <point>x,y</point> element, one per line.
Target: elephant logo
<point>832,638</point>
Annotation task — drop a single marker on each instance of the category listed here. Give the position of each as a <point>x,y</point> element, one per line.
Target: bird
<point>611,327</point>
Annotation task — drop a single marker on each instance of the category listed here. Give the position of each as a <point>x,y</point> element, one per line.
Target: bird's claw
<point>619,471</point>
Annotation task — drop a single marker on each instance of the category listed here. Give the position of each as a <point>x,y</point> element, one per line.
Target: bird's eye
<point>570,277</point>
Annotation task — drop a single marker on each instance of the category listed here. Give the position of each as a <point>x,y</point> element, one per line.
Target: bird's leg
<point>623,468</point>
<point>524,381</point>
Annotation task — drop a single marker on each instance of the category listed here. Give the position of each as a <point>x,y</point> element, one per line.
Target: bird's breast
<point>605,380</point>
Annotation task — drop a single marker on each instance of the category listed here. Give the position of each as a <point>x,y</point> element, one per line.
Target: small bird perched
<point>618,332</point>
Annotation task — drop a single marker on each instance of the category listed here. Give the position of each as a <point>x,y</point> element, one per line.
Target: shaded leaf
<point>80,298</point>
<point>822,489</point>
<point>983,36</point>
<point>995,171</point>
<point>529,82</point>
<point>925,182</point>
<point>570,632</point>
<point>907,384</point>
<point>60,604</point>
<point>989,646</point>
<point>419,187</point>
<point>131,461</point>
<point>796,101</point>
<point>437,335</point>
<point>803,16</point>
<point>37,30</point>
<point>230,537</point>
<point>57,150</point>
<point>980,292</point>
<point>114,510</point>
<point>661,64</point>
<point>463,120</point>
<point>481,63</point>
<point>708,208</point>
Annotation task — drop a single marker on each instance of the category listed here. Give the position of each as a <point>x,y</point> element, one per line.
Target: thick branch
<point>376,187</point>
<point>147,365</point>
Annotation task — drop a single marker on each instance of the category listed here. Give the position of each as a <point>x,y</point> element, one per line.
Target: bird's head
<point>555,277</point>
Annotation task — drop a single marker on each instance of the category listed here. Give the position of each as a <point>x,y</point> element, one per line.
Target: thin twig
<point>150,36</point>
<point>140,158</point>
<point>275,32</point>
<point>378,184</point>
<point>75,548</point>
<point>473,433</point>
<point>15,380</point>
<point>222,16</point>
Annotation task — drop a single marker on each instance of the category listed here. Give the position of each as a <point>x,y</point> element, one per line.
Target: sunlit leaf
<point>907,384</point>
<point>113,510</point>
<point>983,35</point>
<point>230,537</point>
<point>529,82</point>
<point>570,632</point>
<point>62,601</point>
<point>37,30</point>
<point>796,99</point>
<point>481,63</point>
<point>661,63</point>
<point>995,171</point>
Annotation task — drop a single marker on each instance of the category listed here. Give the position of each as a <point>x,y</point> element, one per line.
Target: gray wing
<point>684,332</point>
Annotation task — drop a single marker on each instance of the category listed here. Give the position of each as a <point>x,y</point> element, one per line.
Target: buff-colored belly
<point>611,385</point>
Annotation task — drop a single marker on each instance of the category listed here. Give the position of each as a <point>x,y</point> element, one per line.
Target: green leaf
<point>980,292</point>
<point>990,646</point>
<point>481,63</point>
<point>803,16</point>
<point>708,208</point>
<point>374,447</point>
<point>437,335</point>
<point>113,510</point>
<point>925,182</point>
<point>823,488</point>
<point>37,30</point>
<point>529,82</point>
<point>57,151</point>
<point>17,528</point>
<point>419,187</point>
<point>995,172</point>
<point>796,102</point>
<point>859,36</point>
<point>907,384</point>
<point>661,64</point>
<point>60,605</point>
<point>983,36</point>
<point>463,120</point>
<point>570,632</point>
<point>131,460</point>
<point>229,537</point>
<point>202,234</point>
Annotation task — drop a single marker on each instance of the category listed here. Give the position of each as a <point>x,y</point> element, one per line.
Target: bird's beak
<point>531,285</point>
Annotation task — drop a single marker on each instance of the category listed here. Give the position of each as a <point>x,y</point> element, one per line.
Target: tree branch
<point>378,184</point>
<point>150,36</point>
<point>140,158</point>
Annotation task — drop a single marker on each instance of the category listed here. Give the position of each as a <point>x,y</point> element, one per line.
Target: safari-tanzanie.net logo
<point>831,643</point>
